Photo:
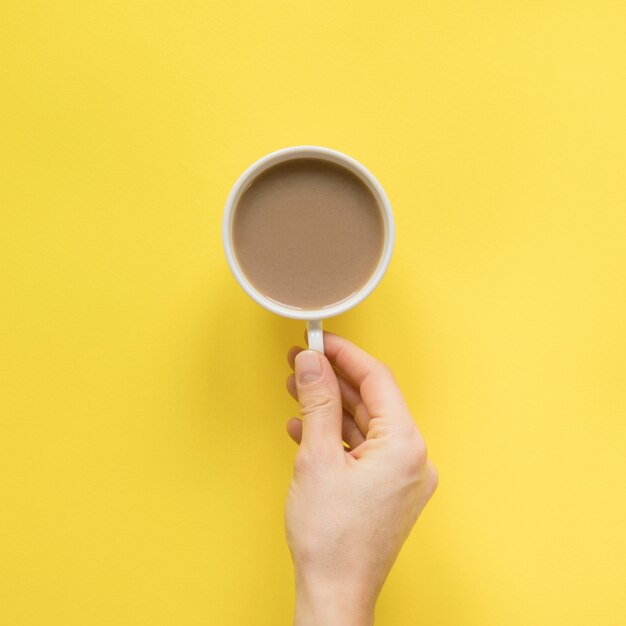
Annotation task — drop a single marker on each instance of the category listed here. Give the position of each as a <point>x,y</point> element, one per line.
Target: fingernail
<point>308,367</point>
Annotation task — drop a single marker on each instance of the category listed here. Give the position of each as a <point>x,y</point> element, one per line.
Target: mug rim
<point>339,158</point>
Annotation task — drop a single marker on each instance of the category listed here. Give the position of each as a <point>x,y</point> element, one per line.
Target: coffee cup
<point>321,157</point>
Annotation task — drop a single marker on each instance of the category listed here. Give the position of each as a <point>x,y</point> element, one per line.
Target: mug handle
<point>315,335</point>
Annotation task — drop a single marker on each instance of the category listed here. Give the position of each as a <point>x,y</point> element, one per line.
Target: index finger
<point>379,390</point>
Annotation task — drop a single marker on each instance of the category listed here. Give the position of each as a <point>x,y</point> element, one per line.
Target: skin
<point>349,509</point>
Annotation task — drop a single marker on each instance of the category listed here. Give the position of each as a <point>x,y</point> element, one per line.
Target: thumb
<point>320,401</point>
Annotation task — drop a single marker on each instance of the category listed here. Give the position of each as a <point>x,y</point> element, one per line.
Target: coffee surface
<point>308,233</point>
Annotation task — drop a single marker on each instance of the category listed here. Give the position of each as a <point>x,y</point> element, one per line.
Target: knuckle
<point>416,454</point>
<point>311,459</point>
<point>384,369</point>
<point>318,403</point>
<point>433,479</point>
<point>379,371</point>
<point>376,427</point>
<point>303,461</point>
<point>362,417</point>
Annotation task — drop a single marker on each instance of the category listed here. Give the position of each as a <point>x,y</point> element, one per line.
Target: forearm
<point>320,605</point>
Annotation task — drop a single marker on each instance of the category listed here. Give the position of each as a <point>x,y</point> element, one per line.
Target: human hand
<point>349,510</point>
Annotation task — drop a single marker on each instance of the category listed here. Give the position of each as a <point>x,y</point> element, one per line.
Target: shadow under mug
<point>313,317</point>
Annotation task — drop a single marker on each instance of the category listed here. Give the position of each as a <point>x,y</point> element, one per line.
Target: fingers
<point>290,383</point>
<point>349,431</point>
<point>367,387</point>
<point>350,399</point>
<point>375,382</point>
<point>432,478</point>
<point>355,364</point>
<point>320,402</point>
<point>353,404</point>
<point>353,429</point>
<point>352,433</point>
<point>291,355</point>
<point>294,429</point>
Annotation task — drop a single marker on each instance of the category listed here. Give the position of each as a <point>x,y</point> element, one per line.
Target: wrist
<point>322,603</point>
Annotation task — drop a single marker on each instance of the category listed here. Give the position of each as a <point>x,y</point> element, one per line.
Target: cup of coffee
<point>308,233</point>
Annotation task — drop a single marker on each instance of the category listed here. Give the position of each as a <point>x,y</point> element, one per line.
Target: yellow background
<point>143,458</point>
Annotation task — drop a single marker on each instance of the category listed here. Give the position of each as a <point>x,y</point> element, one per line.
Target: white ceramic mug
<point>313,317</point>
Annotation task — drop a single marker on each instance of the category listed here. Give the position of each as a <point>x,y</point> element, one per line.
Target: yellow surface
<point>143,461</point>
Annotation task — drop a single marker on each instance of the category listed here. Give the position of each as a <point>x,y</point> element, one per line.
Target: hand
<point>349,509</point>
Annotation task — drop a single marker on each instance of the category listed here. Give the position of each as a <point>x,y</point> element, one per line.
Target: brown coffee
<point>308,233</point>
